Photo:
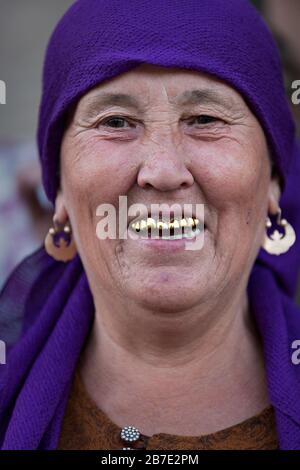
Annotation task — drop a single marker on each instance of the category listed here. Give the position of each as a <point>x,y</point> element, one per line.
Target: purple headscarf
<point>46,306</point>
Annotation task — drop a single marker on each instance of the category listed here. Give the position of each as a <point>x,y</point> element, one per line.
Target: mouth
<point>174,229</point>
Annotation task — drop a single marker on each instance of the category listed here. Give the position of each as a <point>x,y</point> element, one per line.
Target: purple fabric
<point>98,40</point>
<point>46,307</point>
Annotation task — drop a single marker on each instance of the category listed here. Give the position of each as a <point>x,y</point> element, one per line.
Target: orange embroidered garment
<point>86,427</point>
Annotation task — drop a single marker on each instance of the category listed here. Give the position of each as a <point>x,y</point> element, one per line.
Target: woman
<point>191,348</point>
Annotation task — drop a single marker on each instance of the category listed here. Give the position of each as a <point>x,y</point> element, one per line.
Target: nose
<point>165,171</point>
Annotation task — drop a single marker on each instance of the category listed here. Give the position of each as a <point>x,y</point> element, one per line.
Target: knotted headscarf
<point>46,306</point>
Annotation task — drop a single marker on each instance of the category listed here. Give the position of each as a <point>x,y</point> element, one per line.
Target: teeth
<point>190,222</point>
<point>191,234</point>
<point>162,225</point>
<point>150,223</point>
<point>143,224</point>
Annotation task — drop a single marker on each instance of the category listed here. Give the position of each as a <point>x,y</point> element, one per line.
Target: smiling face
<point>167,145</point>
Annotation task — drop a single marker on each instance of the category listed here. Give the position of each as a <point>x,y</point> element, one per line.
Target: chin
<point>168,298</point>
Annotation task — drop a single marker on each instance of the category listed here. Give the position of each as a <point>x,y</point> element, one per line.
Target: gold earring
<point>59,242</point>
<point>279,243</point>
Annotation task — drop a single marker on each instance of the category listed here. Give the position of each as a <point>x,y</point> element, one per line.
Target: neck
<point>194,360</point>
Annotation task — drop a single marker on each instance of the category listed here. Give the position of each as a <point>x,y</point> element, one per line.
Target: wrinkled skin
<point>159,313</point>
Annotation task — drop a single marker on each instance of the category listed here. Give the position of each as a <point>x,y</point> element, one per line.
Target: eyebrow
<point>203,96</point>
<point>190,97</point>
<point>103,100</point>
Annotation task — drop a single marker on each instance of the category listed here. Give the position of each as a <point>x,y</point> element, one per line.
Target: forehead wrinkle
<point>206,96</point>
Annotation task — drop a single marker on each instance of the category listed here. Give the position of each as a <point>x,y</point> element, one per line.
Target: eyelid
<point>104,120</point>
<point>113,116</point>
<point>216,118</point>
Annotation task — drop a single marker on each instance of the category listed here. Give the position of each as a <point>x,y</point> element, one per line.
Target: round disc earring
<point>59,242</point>
<point>278,243</point>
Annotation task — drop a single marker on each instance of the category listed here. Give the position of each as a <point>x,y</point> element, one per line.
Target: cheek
<point>91,175</point>
<point>94,172</point>
<point>231,173</point>
<point>97,170</point>
<point>233,177</point>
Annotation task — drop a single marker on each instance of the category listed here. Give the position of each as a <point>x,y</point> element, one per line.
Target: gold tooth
<point>151,223</point>
<point>183,223</point>
<point>143,224</point>
<point>162,225</point>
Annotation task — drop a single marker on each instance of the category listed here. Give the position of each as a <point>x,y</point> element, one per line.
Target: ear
<point>274,195</point>
<point>61,214</point>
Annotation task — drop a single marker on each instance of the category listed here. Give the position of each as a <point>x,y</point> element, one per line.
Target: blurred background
<point>25,28</point>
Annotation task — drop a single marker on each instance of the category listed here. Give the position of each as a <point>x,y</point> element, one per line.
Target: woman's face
<point>169,152</point>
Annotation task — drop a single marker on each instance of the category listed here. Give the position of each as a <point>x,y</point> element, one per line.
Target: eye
<point>203,119</point>
<point>114,122</point>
